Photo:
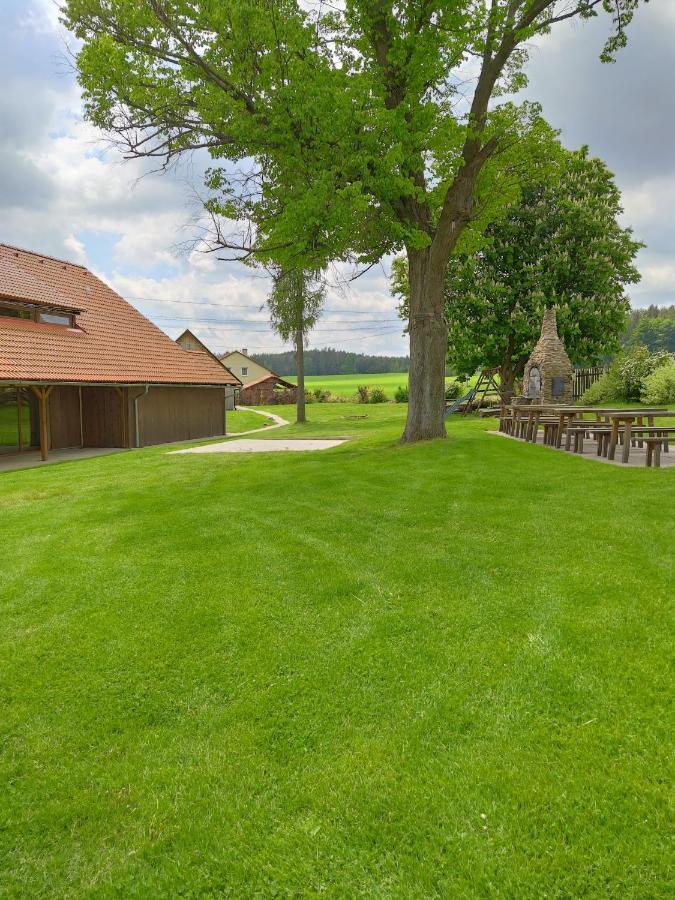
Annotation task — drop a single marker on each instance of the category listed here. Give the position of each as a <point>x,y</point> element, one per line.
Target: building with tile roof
<point>81,367</point>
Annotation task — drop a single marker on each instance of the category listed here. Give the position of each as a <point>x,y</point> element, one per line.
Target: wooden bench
<point>655,436</point>
<point>653,457</point>
<point>579,430</point>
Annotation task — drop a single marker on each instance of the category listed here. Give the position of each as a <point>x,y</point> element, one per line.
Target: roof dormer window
<point>56,318</point>
<point>15,312</point>
<point>33,313</point>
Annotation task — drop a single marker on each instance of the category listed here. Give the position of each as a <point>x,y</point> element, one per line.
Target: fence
<point>584,378</point>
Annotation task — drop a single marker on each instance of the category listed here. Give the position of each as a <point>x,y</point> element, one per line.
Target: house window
<point>14,312</point>
<point>55,318</point>
<point>244,370</point>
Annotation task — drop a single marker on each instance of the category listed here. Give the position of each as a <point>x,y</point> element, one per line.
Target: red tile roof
<point>113,342</point>
<point>277,379</point>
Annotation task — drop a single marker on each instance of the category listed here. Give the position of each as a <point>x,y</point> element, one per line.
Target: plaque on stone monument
<point>557,387</point>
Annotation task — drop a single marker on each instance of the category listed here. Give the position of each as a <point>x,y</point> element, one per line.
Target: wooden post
<point>79,391</point>
<point>19,412</point>
<point>121,394</point>
<point>42,394</point>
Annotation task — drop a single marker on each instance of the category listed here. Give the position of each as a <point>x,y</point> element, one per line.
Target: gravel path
<point>278,422</point>
<point>257,446</point>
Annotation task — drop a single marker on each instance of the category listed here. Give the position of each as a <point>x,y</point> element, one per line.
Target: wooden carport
<point>84,422</point>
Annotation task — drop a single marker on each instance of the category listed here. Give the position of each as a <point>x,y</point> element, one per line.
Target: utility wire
<point>250,306</point>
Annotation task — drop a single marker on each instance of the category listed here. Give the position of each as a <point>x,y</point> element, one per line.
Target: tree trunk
<point>300,373</point>
<point>428,348</point>
<point>507,378</point>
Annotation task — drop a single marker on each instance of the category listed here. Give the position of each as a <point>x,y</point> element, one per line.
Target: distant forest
<point>653,326</point>
<point>328,361</point>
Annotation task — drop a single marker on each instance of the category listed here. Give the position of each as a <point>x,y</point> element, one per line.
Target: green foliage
<point>561,245</point>
<point>659,386</point>
<point>363,393</point>
<point>331,362</point>
<point>334,132</point>
<point>337,132</point>
<point>606,389</point>
<point>653,327</point>
<point>627,376</point>
<point>377,395</point>
<point>321,395</point>
<point>633,367</point>
<point>295,303</point>
<point>453,390</point>
<point>401,395</point>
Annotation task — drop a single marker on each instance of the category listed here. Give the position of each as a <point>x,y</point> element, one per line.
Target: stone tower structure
<point>549,374</point>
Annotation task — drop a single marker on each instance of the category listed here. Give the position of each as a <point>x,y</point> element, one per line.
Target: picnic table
<point>527,418</point>
<point>629,418</point>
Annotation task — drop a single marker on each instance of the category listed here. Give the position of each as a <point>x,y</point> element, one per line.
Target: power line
<point>245,324</point>
<point>360,312</point>
<point>359,339</point>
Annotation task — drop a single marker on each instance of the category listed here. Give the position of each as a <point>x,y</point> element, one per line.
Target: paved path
<point>637,454</point>
<point>31,458</point>
<point>258,446</point>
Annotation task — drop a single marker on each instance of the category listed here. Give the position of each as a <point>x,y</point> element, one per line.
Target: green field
<point>380,671</point>
<point>346,385</point>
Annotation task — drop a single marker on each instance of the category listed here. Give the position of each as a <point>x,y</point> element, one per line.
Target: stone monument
<point>549,374</point>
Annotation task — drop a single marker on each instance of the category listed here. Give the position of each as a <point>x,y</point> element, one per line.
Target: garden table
<point>628,417</point>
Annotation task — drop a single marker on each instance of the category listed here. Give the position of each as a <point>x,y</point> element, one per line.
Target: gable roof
<point>190,334</point>
<point>113,342</point>
<point>277,379</point>
<point>224,356</point>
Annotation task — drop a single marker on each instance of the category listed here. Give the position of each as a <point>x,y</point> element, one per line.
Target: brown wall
<point>177,414</point>
<point>102,417</point>
<point>64,417</point>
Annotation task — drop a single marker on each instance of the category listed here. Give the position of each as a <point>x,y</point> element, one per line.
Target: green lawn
<point>238,420</point>
<point>346,385</point>
<point>379,671</point>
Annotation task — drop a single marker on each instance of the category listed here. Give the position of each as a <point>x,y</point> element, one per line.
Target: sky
<point>64,192</point>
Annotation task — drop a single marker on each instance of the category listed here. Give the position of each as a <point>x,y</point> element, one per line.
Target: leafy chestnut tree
<point>338,131</point>
<point>560,245</point>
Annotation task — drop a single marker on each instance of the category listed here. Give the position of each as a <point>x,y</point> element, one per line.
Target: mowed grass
<point>438,670</point>
<point>346,385</point>
<point>242,419</point>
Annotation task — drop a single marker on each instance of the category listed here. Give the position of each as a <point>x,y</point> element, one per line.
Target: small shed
<point>268,390</point>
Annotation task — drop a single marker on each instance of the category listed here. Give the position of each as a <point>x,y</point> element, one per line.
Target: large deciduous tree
<point>560,244</point>
<point>295,303</point>
<point>346,128</point>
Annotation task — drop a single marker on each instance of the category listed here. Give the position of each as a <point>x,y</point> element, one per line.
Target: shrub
<point>401,395</point>
<point>634,367</point>
<point>309,397</point>
<point>627,375</point>
<point>363,393</point>
<point>606,388</point>
<point>659,387</point>
<point>453,391</point>
<point>377,395</point>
